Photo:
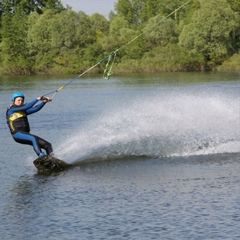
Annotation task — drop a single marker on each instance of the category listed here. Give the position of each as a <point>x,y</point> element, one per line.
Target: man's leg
<point>47,146</point>
<point>29,139</point>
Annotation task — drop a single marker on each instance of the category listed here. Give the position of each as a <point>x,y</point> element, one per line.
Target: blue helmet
<point>17,94</point>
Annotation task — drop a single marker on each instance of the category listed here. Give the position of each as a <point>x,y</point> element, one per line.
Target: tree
<point>235,5</point>
<point>29,6</point>
<point>150,8</point>
<point>99,25</point>
<point>132,10</point>
<point>52,36</point>
<point>209,33</point>
<point>125,8</point>
<point>160,31</point>
<point>65,40</point>
<point>1,10</point>
<point>13,45</point>
<point>140,11</point>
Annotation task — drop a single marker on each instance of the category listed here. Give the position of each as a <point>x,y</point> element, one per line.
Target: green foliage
<point>232,64</point>
<point>1,11</point>
<point>29,6</point>
<point>14,53</point>
<point>117,24</point>
<point>43,37</point>
<point>171,58</point>
<point>150,9</point>
<point>235,5</point>
<point>99,25</point>
<point>209,33</point>
<point>51,36</point>
<point>137,12</point>
<point>162,59</point>
<point>39,40</point>
<point>160,31</point>
<point>126,8</point>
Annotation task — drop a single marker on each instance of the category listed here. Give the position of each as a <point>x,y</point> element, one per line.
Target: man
<point>19,126</point>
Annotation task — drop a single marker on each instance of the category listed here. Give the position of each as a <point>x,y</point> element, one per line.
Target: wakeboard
<point>50,164</point>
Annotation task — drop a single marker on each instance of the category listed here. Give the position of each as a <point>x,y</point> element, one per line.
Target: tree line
<point>44,37</point>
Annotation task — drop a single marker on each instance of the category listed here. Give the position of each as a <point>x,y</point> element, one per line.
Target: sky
<point>104,7</point>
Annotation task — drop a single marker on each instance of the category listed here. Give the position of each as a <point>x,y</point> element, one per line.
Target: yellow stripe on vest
<point>15,116</point>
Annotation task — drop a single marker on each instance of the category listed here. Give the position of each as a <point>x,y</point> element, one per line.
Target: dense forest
<point>38,37</point>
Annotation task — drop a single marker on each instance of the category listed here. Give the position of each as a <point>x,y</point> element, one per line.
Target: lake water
<point>156,156</point>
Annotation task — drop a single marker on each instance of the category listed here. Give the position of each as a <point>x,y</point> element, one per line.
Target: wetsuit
<point>20,129</point>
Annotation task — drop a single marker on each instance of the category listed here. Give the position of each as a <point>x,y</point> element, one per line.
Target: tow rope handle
<point>108,69</point>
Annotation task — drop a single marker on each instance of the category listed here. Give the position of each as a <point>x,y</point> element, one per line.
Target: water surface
<point>156,157</point>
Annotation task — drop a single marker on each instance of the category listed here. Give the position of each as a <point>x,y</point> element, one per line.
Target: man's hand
<point>45,99</point>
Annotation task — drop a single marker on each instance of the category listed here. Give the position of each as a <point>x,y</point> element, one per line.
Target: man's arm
<point>39,106</point>
<point>35,109</point>
<point>23,108</point>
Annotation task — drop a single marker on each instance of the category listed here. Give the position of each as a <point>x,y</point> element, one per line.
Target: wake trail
<point>156,126</point>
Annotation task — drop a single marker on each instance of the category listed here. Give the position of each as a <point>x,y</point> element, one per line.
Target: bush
<point>232,64</point>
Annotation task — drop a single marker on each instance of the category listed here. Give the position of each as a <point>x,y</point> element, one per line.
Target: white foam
<point>159,125</point>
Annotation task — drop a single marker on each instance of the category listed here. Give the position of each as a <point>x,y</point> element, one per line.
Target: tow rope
<point>112,56</point>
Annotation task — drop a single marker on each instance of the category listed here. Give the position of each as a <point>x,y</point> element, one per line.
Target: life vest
<point>17,121</point>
